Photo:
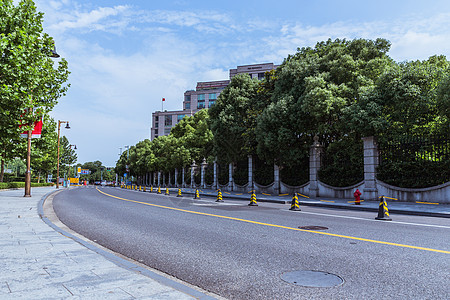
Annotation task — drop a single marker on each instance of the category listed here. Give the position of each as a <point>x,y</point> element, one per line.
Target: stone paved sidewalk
<point>41,262</point>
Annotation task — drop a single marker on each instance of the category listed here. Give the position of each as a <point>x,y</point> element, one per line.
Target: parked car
<point>97,182</point>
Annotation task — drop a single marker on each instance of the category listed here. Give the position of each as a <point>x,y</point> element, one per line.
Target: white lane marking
<point>357,218</point>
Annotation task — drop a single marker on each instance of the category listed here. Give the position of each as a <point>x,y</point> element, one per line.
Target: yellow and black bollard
<point>159,190</point>
<point>383,212</point>
<point>197,194</point>
<point>151,189</point>
<point>219,196</point>
<point>144,189</point>
<point>140,188</point>
<point>179,193</point>
<point>294,203</point>
<point>253,199</point>
<point>167,191</point>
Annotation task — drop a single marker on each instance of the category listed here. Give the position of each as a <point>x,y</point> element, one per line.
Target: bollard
<point>151,189</point>
<point>253,199</point>
<point>179,193</point>
<point>197,194</point>
<point>219,196</point>
<point>140,188</point>
<point>144,189</point>
<point>159,190</point>
<point>294,203</point>
<point>383,212</point>
<point>167,191</point>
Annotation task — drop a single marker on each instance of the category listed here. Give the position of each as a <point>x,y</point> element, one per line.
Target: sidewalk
<point>42,261</point>
<point>408,208</point>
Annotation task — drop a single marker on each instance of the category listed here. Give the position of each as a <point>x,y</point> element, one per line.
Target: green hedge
<point>16,185</point>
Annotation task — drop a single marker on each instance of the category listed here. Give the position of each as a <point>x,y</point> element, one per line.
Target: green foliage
<point>16,185</point>
<point>346,158</point>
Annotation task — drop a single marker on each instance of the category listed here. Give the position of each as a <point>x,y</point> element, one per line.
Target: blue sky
<point>126,55</point>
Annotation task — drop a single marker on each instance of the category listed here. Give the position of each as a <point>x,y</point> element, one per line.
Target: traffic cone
<point>167,191</point>
<point>253,200</point>
<point>294,203</point>
<point>159,190</point>
<point>383,212</point>
<point>197,194</point>
<point>179,193</point>
<point>219,196</point>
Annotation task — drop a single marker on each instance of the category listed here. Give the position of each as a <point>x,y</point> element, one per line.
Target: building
<point>204,96</point>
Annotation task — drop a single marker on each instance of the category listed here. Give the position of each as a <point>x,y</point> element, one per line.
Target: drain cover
<point>312,278</point>
<point>313,227</point>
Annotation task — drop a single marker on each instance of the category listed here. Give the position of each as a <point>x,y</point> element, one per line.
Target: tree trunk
<point>2,170</point>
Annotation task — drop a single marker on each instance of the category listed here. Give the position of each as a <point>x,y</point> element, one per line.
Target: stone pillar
<point>183,183</point>
<point>154,178</point>
<point>170,179</point>
<point>276,179</point>
<point>314,167</point>
<point>193,166</point>
<point>164,178</point>
<point>230,176</point>
<point>203,167</point>
<point>159,178</point>
<point>250,174</point>
<point>370,191</point>
<point>176,177</point>
<point>216,181</point>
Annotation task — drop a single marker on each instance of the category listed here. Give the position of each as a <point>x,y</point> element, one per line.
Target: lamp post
<point>57,162</point>
<point>54,54</point>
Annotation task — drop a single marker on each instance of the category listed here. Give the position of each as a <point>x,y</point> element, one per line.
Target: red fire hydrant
<point>357,195</point>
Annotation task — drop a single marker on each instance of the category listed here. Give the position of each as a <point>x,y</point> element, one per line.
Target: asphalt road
<point>241,252</point>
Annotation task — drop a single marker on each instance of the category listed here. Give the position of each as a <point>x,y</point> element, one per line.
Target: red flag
<point>164,99</point>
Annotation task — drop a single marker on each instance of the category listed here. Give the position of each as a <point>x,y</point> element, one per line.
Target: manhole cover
<point>313,227</point>
<point>312,278</point>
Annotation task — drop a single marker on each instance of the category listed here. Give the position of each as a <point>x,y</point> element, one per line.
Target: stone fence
<point>370,187</point>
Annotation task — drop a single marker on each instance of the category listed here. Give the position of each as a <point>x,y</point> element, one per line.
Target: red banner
<point>36,133</point>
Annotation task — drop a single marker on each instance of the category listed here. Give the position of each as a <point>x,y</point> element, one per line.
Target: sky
<point>125,56</point>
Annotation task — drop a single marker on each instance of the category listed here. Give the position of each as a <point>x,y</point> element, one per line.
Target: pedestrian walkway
<point>42,261</point>
<point>410,208</point>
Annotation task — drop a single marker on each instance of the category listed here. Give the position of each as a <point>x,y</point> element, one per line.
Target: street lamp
<point>54,54</point>
<point>74,146</point>
<point>57,162</point>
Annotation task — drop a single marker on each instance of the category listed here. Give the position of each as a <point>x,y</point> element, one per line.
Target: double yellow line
<point>274,225</point>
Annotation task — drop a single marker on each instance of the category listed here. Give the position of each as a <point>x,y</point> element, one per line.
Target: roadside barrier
<point>159,190</point>
<point>383,212</point>
<point>253,199</point>
<point>219,196</point>
<point>197,194</point>
<point>294,203</point>
<point>179,193</point>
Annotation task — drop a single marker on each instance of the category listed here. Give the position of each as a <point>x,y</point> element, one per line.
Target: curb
<point>123,263</point>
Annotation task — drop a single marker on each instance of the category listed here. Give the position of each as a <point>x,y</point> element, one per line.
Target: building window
<point>168,121</point>
<point>156,132</point>
<point>180,117</point>
<point>211,102</point>
<point>212,96</point>
<point>156,125</point>
<point>167,131</point>
<point>187,98</point>
<point>200,104</point>
<point>201,97</point>
<point>187,105</point>
<point>260,76</point>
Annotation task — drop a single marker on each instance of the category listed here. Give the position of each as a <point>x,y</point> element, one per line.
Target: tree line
<point>340,90</point>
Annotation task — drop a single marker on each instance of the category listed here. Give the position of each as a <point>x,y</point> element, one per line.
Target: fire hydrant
<point>357,195</point>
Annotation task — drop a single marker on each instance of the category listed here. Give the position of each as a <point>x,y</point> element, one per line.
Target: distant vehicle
<point>97,182</point>
<point>103,183</point>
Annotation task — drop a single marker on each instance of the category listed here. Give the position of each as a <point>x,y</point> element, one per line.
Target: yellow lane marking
<point>303,195</point>
<point>327,201</point>
<point>277,226</point>
<point>354,201</point>
<point>238,194</point>
<point>388,197</point>
<point>266,194</point>
<point>283,194</point>
<point>427,203</point>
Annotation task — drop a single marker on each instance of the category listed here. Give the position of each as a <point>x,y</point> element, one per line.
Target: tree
<point>232,119</point>
<point>312,93</point>
<point>30,84</point>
